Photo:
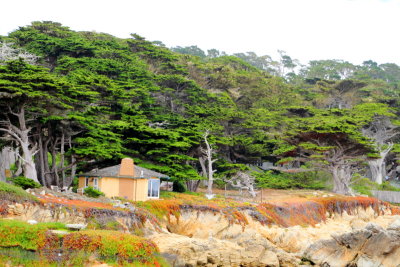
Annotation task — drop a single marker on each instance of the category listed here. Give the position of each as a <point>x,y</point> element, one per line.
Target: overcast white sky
<point>352,30</point>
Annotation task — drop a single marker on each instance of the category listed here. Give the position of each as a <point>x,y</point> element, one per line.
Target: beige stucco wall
<point>81,182</point>
<point>141,190</point>
<point>109,186</point>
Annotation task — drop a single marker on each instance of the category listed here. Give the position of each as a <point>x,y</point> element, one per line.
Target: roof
<point>114,170</point>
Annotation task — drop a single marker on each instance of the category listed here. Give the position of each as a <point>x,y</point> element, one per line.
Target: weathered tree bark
<point>21,136</point>
<point>8,157</point>
<point>243,181</point>
<point>192,185</point>
<point>341,179</point>
<point>208,153</point>
<point>381,131</point>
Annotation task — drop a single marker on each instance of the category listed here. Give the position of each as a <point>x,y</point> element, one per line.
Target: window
<point>154,188</point>
<point>96,183</point>
<point>86,182</point>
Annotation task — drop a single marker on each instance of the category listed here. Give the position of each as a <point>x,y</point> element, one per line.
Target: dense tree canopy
<point>73,101</point>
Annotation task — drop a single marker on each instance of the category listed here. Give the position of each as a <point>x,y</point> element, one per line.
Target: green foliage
<point>13,193</point>
<point>92,192</point>
<point>111,97</point>
<point>179,187</point>
<point>306,180</point>
<point>24,182</point>
<point>364,185</point>
<point>386,186</point>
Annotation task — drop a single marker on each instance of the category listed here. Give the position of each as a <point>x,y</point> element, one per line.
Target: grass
<point>13,193</point>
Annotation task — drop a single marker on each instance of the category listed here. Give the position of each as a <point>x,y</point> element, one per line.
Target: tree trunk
<point>7,159</point>
<point>341,180</point>
<point>377,170</point>
<point>378,166</point>
<point>28,164</point>
<point>192,185</point>
<point>21,135</point>
<point>62,152</point>
<point>40,158</point>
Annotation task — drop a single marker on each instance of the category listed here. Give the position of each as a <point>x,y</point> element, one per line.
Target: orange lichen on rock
<point>311,211</point>
<point>75,202</point>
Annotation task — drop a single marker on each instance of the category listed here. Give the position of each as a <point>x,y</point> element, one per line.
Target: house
<point>125,180</point>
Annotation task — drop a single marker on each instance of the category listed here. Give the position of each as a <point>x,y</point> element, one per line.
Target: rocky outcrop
<point>185,251</point>
<point>371,246</point>
<point>197,238</point>
<point>207,238</point>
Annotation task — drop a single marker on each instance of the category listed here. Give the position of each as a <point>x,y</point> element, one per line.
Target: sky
<point>350,30</point>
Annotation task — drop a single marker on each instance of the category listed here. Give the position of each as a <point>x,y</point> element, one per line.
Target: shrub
<point>307,180</point>
<point>364,185</point>
<point>179,187</point>
<point>92,192</point>
<point>13,193</point>
<point>24,182</point>
<point>386,186</point>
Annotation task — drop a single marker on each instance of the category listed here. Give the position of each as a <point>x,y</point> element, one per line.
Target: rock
<point>16,210</point>
<point>76,226</point>
<point>372,246</point>
<point>395,225</point>
<point>269,259</point>
<point>209,196</point>
<point>42,192</point>
<point>185,251</point>
<point>60,232</point>
<point>32,222</point>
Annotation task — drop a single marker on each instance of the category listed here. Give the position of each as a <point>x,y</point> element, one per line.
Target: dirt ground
<point>269,195</point>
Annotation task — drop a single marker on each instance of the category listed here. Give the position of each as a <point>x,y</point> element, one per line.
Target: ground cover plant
<point>287,212</point>
<point>35,245</point>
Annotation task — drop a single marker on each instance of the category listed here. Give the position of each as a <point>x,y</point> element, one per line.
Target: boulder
<point>369,247</point>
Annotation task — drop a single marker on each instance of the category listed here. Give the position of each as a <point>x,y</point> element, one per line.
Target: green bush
<point>386,186</point>
<point>13,193</point>
<point>179,187</point>
<point>92,192</point>
<point>365,185</point>
<point>24,182</point>
<point>306,180</point>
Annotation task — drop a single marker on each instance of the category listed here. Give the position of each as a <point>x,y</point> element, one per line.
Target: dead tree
<point>20,134</point>
<point>7,52</point>
<point>208,157</point>
<point>243,181</point>
<point>381,131</point>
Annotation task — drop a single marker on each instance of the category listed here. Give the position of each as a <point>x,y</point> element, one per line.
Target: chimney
<point>127,168</point>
